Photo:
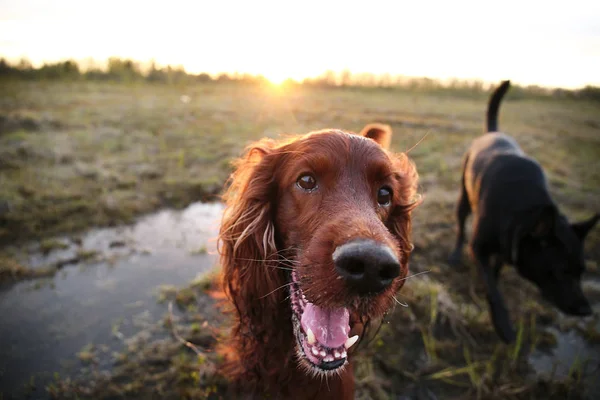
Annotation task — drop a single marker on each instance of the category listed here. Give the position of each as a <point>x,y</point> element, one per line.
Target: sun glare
<point>276,78</point>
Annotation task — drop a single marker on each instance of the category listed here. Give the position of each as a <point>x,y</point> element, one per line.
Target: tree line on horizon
<point>130,71</point>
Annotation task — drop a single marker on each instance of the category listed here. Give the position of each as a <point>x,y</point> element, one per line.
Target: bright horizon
<point>546,43</point>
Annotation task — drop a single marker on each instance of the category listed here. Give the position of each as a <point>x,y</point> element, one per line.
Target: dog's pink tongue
<point>331,327</point>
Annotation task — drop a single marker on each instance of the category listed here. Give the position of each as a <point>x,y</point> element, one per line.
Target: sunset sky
<point>550,43</point>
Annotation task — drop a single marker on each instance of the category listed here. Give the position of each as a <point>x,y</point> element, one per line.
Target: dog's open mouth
<point>321,334</point>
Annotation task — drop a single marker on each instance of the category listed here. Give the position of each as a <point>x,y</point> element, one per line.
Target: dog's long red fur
<point>268,229</point>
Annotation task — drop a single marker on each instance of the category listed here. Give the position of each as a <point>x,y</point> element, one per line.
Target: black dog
<point>517,222</point>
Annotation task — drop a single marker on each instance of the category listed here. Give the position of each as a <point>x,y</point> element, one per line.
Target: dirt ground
<point>79,155</point>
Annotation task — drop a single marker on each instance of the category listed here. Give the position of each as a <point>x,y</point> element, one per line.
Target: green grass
<point>97,154</point>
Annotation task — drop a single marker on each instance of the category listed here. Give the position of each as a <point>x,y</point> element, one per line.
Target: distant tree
<point>249,79</point>
<point>95,74</point>
<point>5,68</point>
<point>155,74</point>
<point>477,86</point>
<point>203,77</point>
<point>126,70</point>
<point>328,78</point>
<point>366,79</point>
<point>589,92</point>
<point>59,70</point>
<point>123,70</point>
<point>346,78</point>
<point>24,64</point>
<point>386,80</point>
<point>561,93</point>
<point>176,75</point>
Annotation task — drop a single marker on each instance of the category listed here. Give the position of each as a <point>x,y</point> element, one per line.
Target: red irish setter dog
<point>314,242</point>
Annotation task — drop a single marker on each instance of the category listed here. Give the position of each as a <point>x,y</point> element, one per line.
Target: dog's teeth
<point>329,358</point>
<point>350,342</point>
<point>310,336</point>
<point>344,354</point>
<point>322,353</point>
<point>315,351</point>
<point>337,354</point>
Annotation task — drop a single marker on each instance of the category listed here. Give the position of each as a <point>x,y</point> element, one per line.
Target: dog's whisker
<point>265,261</point>
<point>290,262</point>
<point>399,302</point>
<point>257,260</point>
<point>280,287</point>
<point>418,143</point>
<point>413,275</point>
<point>279,267</point>
<point>289,259</point>
<point>405,296</point>
<point>278,252</point>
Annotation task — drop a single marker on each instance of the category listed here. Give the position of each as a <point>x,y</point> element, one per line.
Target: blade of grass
<point>518,342</point>
<point>453,371</point>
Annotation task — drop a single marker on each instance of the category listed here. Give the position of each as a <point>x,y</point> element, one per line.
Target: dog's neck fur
<point>285,378</point>
<point>265,364</point>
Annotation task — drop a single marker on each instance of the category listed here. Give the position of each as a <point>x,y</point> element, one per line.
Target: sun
<point>276,78</point>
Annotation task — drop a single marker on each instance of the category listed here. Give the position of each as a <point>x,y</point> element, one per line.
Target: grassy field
<point>78,155</point>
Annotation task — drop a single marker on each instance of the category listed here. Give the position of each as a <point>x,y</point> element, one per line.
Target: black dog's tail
<point>494,105</point>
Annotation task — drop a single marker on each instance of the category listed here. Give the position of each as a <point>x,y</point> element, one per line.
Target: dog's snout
<point>366,266</point>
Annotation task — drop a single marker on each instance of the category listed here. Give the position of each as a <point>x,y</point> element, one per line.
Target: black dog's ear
<point>582,228</point>
<point>380,133</point>
<point>545,222</point>
<point>541,225</point>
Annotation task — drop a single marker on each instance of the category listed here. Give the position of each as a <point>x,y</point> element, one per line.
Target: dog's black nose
<point>366,265</point>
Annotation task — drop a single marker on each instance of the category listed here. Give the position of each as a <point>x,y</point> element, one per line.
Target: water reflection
<point>44,326</point>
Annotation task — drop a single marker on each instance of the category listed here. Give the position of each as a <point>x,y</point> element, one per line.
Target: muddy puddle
<point>111,296</point>
<point>572,356</point>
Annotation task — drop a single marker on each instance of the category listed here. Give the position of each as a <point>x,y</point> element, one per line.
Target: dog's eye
<point>307,182</point>
<point>384,196</point>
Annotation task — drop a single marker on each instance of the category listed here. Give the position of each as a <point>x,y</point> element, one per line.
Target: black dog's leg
<point>463,209</point>
<point>498,309</point>
<point>498,263</point>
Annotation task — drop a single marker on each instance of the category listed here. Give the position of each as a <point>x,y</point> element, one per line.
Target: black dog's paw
<point>500,319</point>
<point>454,259</point>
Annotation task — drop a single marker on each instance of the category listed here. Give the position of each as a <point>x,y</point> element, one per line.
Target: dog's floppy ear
<point>400,220</point>
<point>247,235</point>
<point>380,133</point>
<point>249,257</point>
<point>582,228</point>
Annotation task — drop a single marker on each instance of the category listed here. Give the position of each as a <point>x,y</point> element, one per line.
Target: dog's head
<point>549,252</point>
<point>324,221</point>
